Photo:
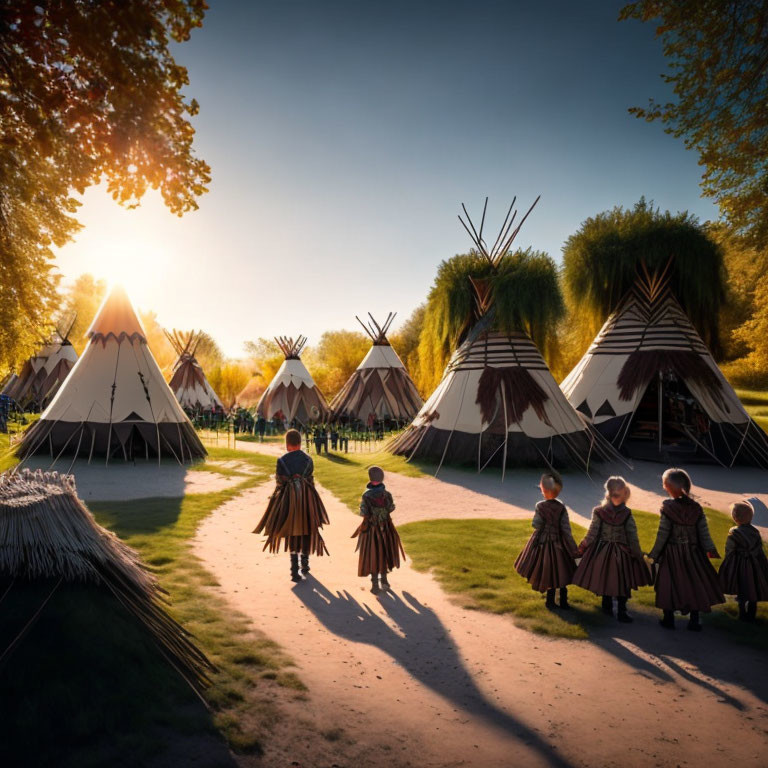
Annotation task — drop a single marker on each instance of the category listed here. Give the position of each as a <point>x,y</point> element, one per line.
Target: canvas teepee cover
<point>292,394</point>
<point>42,375</point>
<point>115,401</point>
<point>380,385</point>
<point>497,402</point>
<point>650,341</point>
<point>189,383</point>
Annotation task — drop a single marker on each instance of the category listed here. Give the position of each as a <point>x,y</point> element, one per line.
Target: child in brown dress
<point>377,539</point>
<point>686,580</point>
<point>744,571</point>
<point>547,560</point>
<point>295,512</point>
<point>612,564</point>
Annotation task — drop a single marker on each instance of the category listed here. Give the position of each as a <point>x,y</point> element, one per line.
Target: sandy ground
<point>412,679</point>
<point>123,481</point>
<point>465,494</point>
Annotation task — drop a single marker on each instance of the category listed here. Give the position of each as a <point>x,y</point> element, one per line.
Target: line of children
<point>611,561</point>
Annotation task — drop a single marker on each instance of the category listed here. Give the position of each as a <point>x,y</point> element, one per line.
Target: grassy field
<point>155,710</point>
<point>346,474</point>
<point>756,404</point>
<point>473,560</point>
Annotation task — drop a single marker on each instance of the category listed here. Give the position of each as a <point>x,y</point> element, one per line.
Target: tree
<point>718,58</point>
<point>601,260</point>
<point>335,357</point>
<point>80,304</point>
<point>754,334</point>
<point>525,297</point>
<point>405,342</point>
<point>89,92</point>
<point>158,343</point>
<point>228,380</point>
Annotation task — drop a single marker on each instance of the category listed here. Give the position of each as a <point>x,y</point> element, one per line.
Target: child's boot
<point>607,605</point>
<point>375,584</point>
<point>693,623</point>
<point>752,610</point>
<point>383,581</point>
<point>564,598</point>
<point>668,622</point>
<point>743,610</point>
<point>550,598</point>
<point>295,577</point>
<point>622,614</point>
<point>304,564</point>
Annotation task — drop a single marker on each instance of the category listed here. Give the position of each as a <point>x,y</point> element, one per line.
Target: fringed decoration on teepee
<point>520,391</point>
<point>46,532</point>
<point>689,366</point>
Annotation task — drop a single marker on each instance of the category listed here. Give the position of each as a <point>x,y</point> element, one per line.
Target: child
<point>378,541</point>
<point>295,512</point>
<point>612,565</point>
<point>744,571</point>
<point>547,560</point>
<point>686,580</point>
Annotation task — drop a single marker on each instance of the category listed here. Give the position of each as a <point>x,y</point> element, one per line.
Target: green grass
<point>756,404</point>
<point>161,529</point>
<point>111,713</point>
<point>473,560</point>
<point>345,474</point>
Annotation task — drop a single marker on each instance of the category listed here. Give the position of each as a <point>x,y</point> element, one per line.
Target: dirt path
<point>411,679</point>
<point>464,494</point>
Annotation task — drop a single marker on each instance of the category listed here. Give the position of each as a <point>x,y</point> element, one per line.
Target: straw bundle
<point>48,534</point>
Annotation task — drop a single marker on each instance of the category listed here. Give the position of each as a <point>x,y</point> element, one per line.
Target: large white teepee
<point>649,384</point>
<point>189,383</point>
<point>497,402</point>
<point>43,373</point>
<point>115,401</point>
<point>293,395</point>
<point>380,387</point>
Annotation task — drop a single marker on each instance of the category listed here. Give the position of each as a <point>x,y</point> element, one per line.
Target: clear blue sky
<point>344,135</point>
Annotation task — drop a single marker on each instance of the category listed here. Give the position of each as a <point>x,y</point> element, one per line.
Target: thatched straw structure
<point>48,535</point>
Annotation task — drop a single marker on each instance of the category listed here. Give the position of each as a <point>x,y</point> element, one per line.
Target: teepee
<point>497,402</point>
<point>292,394</point>
<point>649,384</point>
<point>380,385</point>
<point>188,382</point>
<point>43,373</point>
<point>115,401</point>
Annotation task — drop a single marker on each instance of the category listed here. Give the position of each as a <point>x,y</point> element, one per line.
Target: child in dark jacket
<point>547,560</point>
<point>686,580</point>
<point>744,571</point>
<point>377,539</point>
<point>612,564</point>
<point>295,512</point>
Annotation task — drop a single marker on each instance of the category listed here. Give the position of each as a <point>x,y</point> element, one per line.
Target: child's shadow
<point>441,670</point>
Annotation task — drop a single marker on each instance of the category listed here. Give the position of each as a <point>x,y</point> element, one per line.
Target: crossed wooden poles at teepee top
<point>290,348</point>
<point>184,343</point>
<point>377,332</point>
<point>496,253</point>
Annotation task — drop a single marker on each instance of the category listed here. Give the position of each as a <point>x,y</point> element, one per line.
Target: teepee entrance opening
<point>669,424</point>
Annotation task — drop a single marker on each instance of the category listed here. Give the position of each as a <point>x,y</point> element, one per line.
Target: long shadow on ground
<point>442,672</point>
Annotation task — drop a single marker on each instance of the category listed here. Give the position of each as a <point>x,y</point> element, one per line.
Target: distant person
<point>612,564</point>
<point>262,428</point>
<point>295,512</point>
<point>685,580</point>
<point>378,542</point>
<point>548,559</point>
<point>744,571</point>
